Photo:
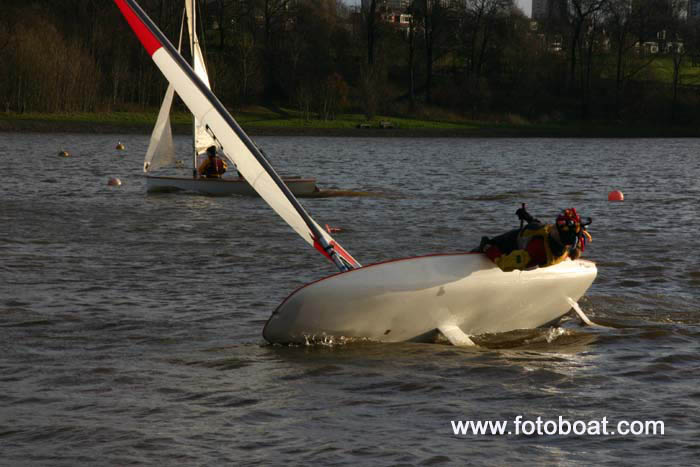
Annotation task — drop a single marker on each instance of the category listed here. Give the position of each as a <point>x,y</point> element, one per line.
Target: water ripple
<point>130,324</point>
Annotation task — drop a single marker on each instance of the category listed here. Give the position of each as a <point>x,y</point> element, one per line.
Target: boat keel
<point>581,314</point>
<point>455,335</point>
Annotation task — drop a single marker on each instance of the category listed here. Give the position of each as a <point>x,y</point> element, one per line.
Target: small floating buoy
<point>64,154</point>
<point>113,181</point>
<point>616,196</point>
<point>120,146</point>
<point>330,229</point>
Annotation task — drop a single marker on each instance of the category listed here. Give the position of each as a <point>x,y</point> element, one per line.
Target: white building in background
<point>694,9</point>
<point>391,11</point>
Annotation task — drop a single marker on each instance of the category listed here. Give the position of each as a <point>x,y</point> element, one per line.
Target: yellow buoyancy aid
<point>526,235</point>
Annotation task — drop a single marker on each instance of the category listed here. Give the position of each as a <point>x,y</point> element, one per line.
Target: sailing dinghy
<point>161,152</point>
<point>458,295</point>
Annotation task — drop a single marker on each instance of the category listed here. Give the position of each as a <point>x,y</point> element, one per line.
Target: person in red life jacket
<point>538,244</point>
<point>213,166</point>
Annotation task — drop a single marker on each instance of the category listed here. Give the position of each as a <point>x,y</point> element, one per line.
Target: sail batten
<point>235,143</point>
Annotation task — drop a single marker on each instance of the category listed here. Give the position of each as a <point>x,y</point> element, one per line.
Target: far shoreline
<point>599,130</point>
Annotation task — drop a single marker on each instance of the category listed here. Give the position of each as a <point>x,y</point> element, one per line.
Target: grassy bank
<point>264,121</point>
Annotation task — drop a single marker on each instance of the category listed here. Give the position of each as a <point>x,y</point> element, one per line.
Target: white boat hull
<point>223,186</point>
<point>405,299</point>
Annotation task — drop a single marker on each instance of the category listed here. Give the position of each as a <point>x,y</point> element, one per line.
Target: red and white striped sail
<point>234,141</point>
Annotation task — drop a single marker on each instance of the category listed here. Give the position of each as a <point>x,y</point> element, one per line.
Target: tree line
<point>621,60</point>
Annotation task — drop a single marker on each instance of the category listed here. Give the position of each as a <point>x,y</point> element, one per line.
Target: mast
<point>193,36</point>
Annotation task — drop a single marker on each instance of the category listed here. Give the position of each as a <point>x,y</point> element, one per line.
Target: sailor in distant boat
<point>538,244</point>
<point>213,166</point>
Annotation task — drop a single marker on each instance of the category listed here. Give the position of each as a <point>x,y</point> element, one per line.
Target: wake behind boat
<point>456,294</point>
<point>161,152</point>
<point>223,186</point>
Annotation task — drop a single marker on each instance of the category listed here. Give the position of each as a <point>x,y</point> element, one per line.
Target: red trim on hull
<point>149,41</point>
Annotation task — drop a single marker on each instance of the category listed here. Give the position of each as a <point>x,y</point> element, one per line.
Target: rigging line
<point>201,40</point>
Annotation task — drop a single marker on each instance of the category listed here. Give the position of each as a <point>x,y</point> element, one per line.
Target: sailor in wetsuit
<point>538,244</point>
<point>213,166</point>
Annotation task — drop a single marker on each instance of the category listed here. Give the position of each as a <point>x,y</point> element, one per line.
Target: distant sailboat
<point>161,150</point>
<point>457,295</point>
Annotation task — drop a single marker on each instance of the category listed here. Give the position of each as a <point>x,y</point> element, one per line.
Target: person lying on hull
<point>213,166</point>
<point>538,244</point>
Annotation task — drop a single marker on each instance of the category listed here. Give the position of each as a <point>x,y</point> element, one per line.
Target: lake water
<point>130,324</point>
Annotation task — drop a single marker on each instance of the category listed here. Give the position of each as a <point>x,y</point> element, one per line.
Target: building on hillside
<point>392,12</point>
<point>400,20</point>
<point>694,9</point>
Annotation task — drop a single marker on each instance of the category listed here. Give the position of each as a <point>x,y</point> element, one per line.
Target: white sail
<point>233,140</point>
<point>202,139</point>
<point>161,151</point>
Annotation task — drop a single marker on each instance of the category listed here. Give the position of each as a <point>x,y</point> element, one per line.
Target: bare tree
<point>580,13</point>
<point>246,54</point>
<point>229,16</point>
<point>411,39</point>
<point>619,13</point>
<point>679,30</point>
<point>434,16</point>
<point>370,14</point>
<point>478,27</point>
<point>274,17</point>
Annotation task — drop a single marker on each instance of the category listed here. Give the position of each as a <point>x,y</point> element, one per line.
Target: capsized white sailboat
<point>161,151</point>
<point>458,295</point>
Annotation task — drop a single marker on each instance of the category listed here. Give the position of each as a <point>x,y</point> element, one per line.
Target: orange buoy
<point>120,146</point>
<point>64,154</point>
<point>616,195</point>
<point>114,182</point>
